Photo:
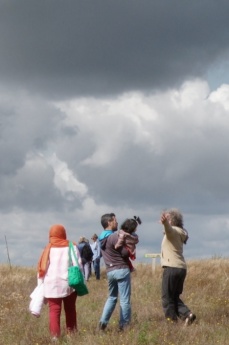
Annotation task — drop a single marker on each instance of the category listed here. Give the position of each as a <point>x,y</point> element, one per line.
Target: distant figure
<point>174,267</point>
<point>53,272</point>
<point>127,237</point>
<point>118,273</point>
<point>86,256</point>
<point>95,247</point>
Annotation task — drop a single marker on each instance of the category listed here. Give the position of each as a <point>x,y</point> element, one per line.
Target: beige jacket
<point>172,247</point>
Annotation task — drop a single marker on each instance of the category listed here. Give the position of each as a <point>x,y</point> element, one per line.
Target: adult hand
<point>164,218</point>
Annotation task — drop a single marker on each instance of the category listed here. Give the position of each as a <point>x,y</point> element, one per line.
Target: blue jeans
<point>118,282</point>
<point>96,266</point>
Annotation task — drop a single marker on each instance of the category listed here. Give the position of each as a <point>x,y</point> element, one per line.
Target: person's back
<point>174,267</point>
<point>86,253</point>
<point>118,273</point>
<point>53,274</point>
<point>56,278</point>
<point>128,240</point>
<point>114,258</point>
<point>86,256</point>
<point>172,247</point>
<point>95,247</point>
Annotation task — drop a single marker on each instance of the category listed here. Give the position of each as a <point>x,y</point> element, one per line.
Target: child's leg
<point>130,265</point>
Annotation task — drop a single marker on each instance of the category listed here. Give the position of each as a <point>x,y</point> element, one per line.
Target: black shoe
<point>190,319</point>
<point>122,328</point>
<point>102,326</point>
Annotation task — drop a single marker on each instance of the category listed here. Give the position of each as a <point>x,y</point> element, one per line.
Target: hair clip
<point>137,220</point>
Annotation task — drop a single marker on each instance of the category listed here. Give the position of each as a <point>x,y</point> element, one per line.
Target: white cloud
<point>152,120</point>
<point>64,179</point>
<point>221,96</point>
<point>190,93</point>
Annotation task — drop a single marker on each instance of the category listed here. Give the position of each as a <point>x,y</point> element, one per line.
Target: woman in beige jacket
<point>174,267</point>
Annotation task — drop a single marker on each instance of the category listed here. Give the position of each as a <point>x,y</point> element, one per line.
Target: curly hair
<point>175,217</point>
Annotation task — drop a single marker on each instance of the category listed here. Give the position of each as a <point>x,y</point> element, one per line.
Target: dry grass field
<point>205,292</point>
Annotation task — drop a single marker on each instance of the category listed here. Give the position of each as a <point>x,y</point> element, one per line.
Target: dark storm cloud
<point>68,48</point>
<point>22,128</point>
<point>143,178</point>
<point>31,189</point>
<point>29,126</point>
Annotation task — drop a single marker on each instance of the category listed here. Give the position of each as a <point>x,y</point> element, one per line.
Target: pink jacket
<point>56,277</point>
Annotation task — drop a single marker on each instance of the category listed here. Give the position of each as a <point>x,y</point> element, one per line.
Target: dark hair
<point>130,225</point>
<point>108,217</point>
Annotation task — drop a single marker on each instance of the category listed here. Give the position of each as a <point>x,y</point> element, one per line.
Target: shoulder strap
<point>70,252</point>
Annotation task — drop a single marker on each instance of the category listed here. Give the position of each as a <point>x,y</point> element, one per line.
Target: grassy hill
<point>205,292</point>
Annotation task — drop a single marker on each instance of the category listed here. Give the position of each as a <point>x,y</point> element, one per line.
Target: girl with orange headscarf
<point>53,272</point>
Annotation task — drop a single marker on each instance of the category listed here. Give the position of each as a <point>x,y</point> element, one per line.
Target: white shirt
<point>95,247</point>
<point>56,277</point>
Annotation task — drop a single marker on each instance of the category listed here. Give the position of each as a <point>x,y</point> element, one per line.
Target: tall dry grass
<point>205,292</point>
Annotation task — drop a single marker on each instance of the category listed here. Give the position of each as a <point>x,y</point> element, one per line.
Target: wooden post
<point>153,256</point>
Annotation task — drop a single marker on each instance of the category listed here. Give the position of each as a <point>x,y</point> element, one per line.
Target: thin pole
<point>8,255</point>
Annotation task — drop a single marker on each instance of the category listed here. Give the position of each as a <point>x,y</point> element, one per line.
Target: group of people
<point>118,249</point>
<point>90,254</point>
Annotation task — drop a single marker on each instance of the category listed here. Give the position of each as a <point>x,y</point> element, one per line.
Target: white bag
<point>37,300</point>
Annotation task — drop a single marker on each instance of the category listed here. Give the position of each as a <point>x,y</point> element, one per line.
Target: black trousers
<point>172,287</point>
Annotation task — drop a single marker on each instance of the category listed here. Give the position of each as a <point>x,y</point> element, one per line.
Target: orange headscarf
<point>57,238</point>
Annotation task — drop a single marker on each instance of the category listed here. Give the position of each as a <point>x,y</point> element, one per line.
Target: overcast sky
<point>113,106</point>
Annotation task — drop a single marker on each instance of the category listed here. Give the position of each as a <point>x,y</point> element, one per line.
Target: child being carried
<point>128,238</point>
